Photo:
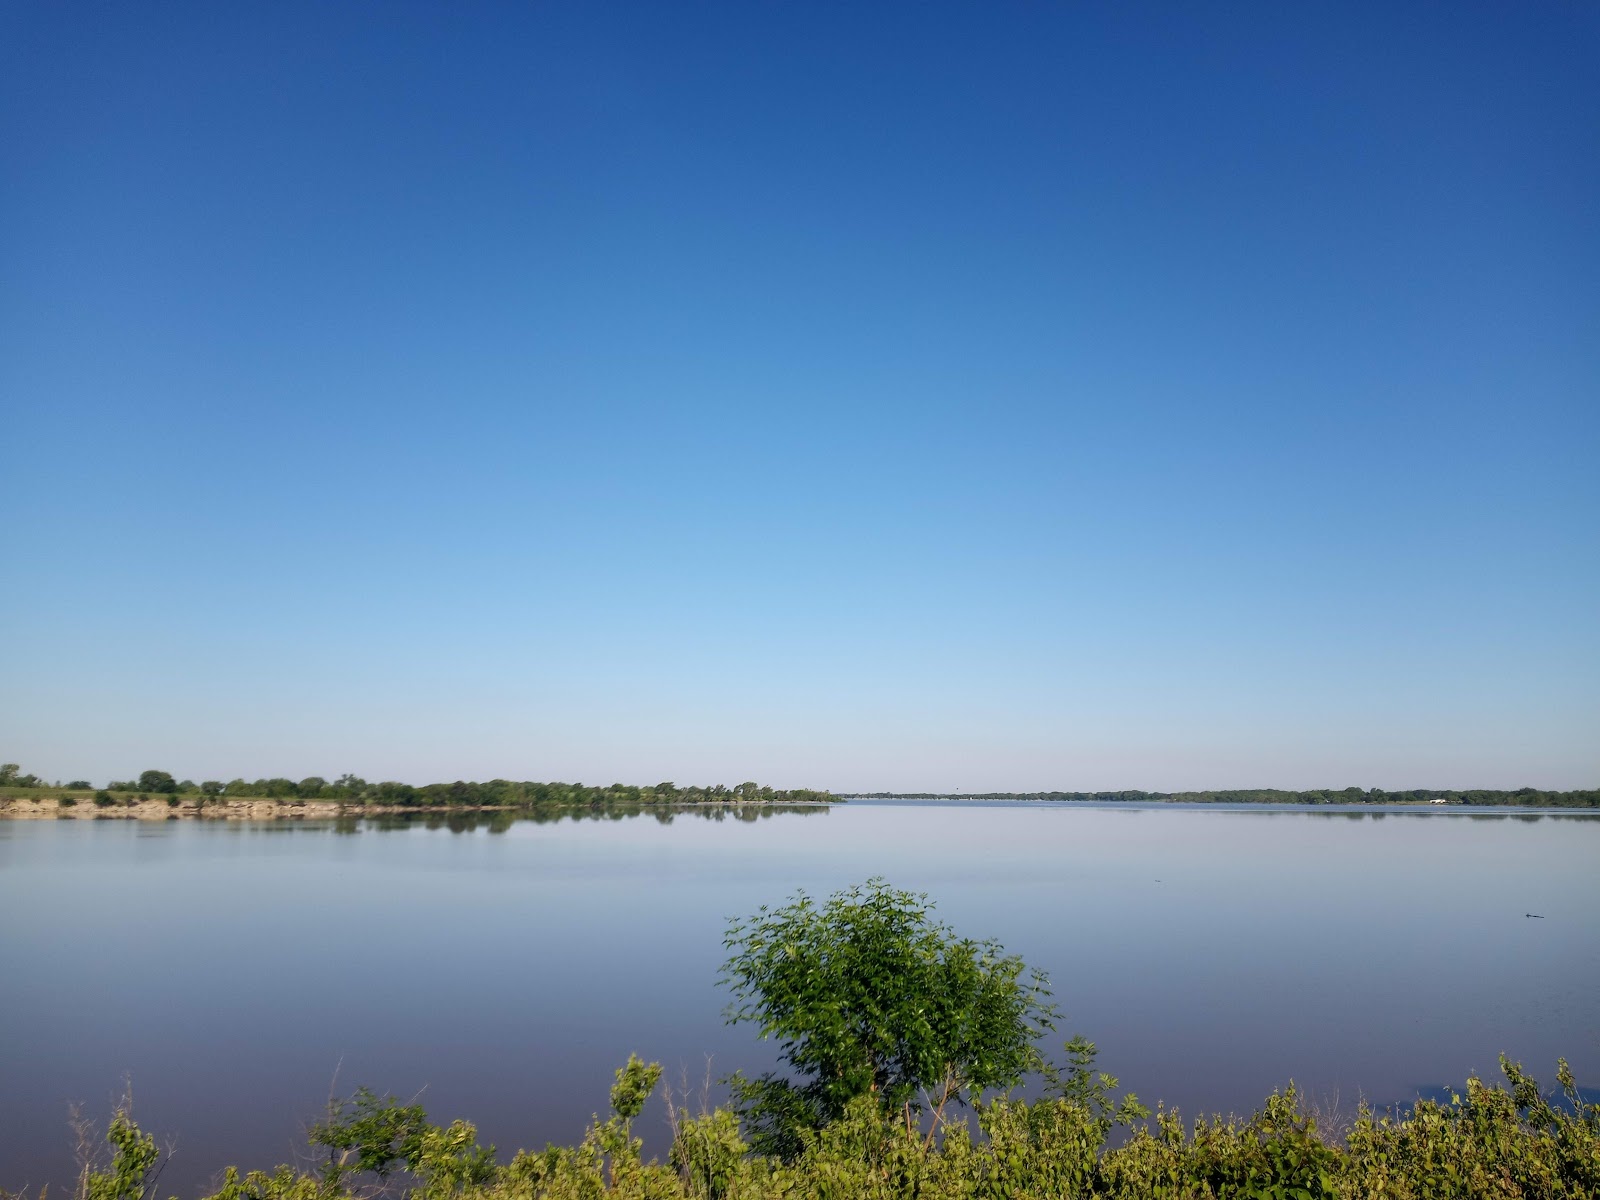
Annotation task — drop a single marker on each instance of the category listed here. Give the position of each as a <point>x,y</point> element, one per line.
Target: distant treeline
<point>496,793</point>
<point>1528,796</point>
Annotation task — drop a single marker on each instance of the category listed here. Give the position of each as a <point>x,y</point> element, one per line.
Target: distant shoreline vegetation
<point>1526,797</point>
<point>512,794</point>
<point>353,790</point>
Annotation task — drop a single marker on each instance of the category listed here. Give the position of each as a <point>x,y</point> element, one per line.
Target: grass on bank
<point>1501,1142</point>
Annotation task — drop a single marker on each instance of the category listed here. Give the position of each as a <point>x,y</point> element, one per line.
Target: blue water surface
<point>240,972</point>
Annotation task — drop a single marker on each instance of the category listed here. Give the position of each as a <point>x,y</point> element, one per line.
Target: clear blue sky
<point>860,396</point>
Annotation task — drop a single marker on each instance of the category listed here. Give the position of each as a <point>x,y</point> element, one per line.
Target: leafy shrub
<point>707,1152</point>
<point>869,995</point>
<point>1494,1144</point>
<point>104,799</point>
<point>367,1135</point>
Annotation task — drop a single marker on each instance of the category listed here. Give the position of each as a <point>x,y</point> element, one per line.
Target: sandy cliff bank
<point>24,808</point>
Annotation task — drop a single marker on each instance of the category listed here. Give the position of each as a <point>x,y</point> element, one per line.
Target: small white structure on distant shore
<point>1438,800</point>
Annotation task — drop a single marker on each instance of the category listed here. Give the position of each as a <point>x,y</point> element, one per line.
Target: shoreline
<point>17,808</point>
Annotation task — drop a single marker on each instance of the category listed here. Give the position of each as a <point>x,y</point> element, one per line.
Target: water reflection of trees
<point>1525,818</point>
<point>500,820</point>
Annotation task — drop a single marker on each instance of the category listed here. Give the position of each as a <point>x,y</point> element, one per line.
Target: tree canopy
<point>868,994</point>
<point>11,776</point>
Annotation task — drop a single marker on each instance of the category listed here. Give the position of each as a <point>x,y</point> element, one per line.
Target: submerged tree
<point>868,994</point>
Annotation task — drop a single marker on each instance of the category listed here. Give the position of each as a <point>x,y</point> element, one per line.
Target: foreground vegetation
<point>1526,797</point>
<point>902,1042</point>
<point>1491,1143</point>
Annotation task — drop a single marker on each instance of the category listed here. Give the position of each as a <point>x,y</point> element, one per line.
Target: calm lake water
<point>235,970</point>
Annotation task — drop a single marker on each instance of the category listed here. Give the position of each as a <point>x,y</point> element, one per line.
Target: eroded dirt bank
<point>23,808</point>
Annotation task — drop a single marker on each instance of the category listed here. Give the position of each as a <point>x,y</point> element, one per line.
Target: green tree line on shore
<point>1527,796</point>
<point>506,793</point>
<point>494,793</point>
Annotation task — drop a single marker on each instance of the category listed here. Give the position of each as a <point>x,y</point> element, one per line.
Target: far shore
<point>247,809</point>
<point>20,808</point>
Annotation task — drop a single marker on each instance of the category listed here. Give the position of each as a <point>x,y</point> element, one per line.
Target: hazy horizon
<point>1007,398</point>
